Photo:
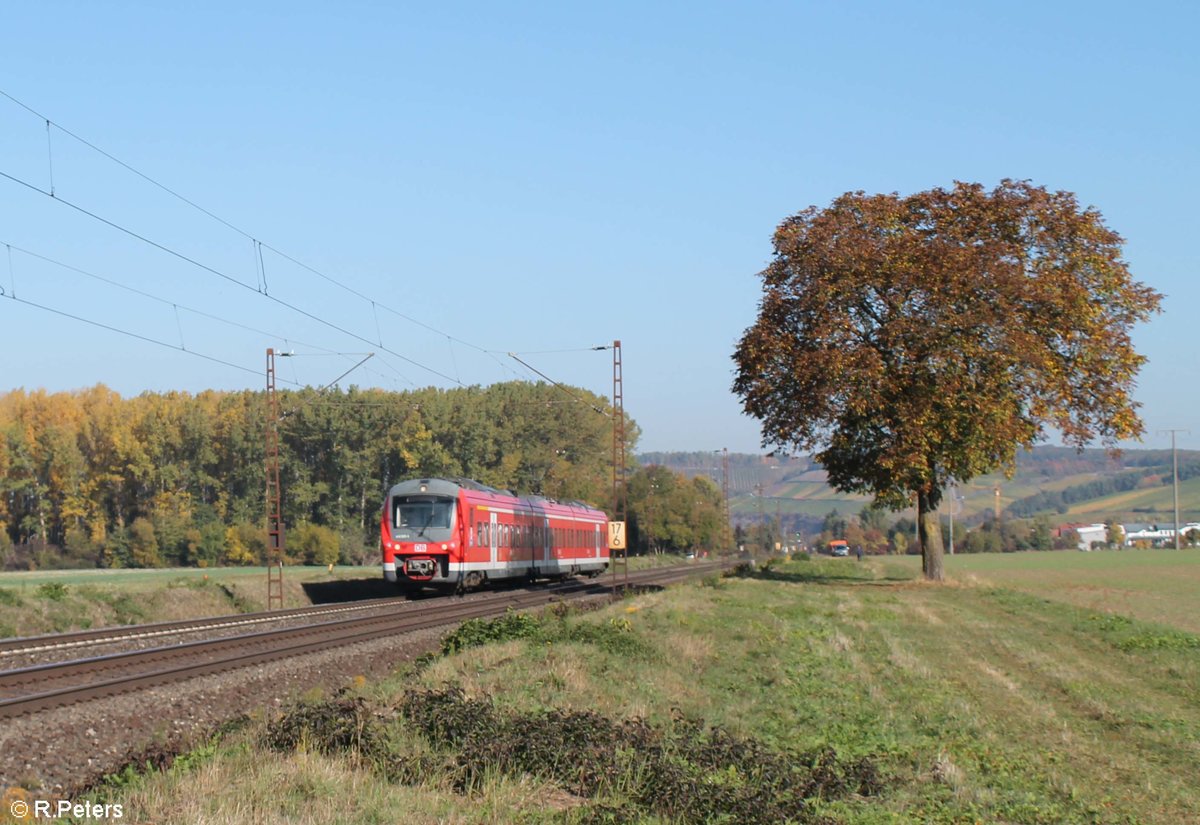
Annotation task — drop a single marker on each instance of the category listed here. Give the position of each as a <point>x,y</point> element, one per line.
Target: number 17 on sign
<point>616,535</point>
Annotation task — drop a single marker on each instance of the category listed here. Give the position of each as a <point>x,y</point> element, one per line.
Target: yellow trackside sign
<point>616,535</point>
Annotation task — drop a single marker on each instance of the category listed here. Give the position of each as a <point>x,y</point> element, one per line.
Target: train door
<point>596,538</point>
<point>545,539</point>
<point>493,536</point>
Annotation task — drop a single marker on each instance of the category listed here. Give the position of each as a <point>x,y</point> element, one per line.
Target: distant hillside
<point>1057,481</point>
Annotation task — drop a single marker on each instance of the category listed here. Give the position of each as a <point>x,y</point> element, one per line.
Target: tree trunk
<point>930,532</point>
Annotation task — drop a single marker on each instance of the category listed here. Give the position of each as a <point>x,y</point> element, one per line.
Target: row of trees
<point>872,530</point>
<point>91,478</point>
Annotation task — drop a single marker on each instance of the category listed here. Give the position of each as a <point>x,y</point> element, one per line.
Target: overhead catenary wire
<point>176,307</point>
<point>577,397</point>
<point>12,278</point>
<point>323,352</point>
<point>131,334</point>
<point>126,231</point>
<point>121,163</point>
<point>229,278</point>
<point>559,351</point>
<point>258,243</point>
<point>260,286</point>
<point>159,299</point>
<point>370,355</point>
<point>50,157</point>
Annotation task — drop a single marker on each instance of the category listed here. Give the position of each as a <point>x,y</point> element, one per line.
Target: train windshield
<point>421,513</point>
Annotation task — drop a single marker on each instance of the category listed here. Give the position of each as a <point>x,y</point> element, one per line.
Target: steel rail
<point>21,645</point>
<point>102,635</point>
<point>231,652</point>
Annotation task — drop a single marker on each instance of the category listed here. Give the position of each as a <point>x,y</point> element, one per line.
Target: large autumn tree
<point>922,338</point>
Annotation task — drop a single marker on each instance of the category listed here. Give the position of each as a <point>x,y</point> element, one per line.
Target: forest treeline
<point>88,478</point>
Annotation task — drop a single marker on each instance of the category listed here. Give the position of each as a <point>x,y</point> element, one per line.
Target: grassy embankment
<point>56,601</point>
<point>975,703</point>
<point>61,600</point>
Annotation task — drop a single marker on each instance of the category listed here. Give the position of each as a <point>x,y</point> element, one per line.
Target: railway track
<point>107,635</point>
<point>42,687</point>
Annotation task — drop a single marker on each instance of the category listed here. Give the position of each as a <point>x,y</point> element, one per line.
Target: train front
<point>420,532</point>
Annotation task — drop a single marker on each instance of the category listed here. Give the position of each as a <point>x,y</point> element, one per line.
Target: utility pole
<point>274,498</point>
<point>1175,477</point>
<point>725,493</point>
<point>618,464</point>
<point>953,486</point>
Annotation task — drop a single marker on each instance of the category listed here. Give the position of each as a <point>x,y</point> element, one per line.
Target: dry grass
<point>983,705</point>
<point>303,788</point>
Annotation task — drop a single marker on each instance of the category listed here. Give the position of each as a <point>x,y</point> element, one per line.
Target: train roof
<point>442,486</point>
<point>451,486</point>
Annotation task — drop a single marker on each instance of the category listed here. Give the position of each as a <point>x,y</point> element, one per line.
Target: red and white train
<point>460,533</point>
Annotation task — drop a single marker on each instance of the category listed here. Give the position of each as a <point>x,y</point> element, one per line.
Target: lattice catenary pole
<point>725,494</point>
<point>619,464</point>
<point>274,498</point>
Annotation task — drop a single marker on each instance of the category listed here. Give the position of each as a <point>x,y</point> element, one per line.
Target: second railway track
<point>42,687</point>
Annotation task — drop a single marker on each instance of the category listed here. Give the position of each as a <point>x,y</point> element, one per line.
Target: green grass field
<point>1001,696</point>
<point>1150,585</point>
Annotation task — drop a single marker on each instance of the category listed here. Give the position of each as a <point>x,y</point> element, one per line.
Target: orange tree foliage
<point>90,478</point>
<point>922,338</point>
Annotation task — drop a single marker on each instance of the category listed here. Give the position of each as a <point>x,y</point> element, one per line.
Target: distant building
<point>1155,535</point>
<point>1088,533</point>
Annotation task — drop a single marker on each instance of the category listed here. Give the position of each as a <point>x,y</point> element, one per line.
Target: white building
<point>1156,535</point>
<point>1091,533</point>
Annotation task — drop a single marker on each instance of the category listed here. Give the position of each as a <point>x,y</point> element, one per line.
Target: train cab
<point>420,530</point>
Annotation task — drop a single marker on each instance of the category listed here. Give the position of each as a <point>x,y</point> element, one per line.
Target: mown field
<point>1158,585</point>
<point>811,691</point>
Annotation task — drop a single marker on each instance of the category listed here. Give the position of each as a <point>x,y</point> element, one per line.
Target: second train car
<point>457,533</point>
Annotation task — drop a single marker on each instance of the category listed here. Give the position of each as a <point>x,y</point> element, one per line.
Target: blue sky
<point>537,177</point>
